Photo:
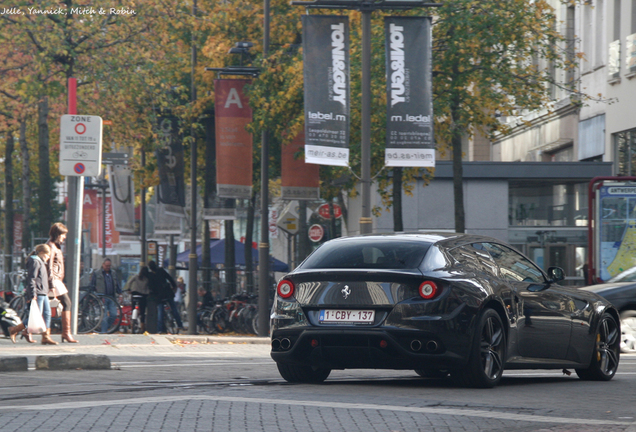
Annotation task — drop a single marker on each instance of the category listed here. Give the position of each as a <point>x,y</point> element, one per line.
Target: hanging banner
<point>233,141</point>
<point>165,222</point>
<point>171,165</point>
<point>220,209</point>
<point>123,192</point>
<point>409,131</point>
<point>215,208</point>
<point>326,74</point>
<point>91,214</point>
<point>18,226</point>
<point>299,180</point>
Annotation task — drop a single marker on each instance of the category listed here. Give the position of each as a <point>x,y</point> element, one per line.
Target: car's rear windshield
<point>368,254</point>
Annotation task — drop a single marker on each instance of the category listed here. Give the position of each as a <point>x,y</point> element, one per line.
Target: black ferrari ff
<point>440,304</point>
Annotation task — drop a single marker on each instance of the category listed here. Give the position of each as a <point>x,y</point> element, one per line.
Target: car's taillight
<point>285,288</point>
<point>428,290</point>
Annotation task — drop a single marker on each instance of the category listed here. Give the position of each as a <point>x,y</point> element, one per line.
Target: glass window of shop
<point>545,203</point>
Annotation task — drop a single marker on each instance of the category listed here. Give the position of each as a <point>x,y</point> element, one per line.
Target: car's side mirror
<point>556,274</point>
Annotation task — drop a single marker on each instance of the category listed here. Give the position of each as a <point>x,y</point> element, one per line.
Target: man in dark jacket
<point>163,286</point>
<point>105,281</point>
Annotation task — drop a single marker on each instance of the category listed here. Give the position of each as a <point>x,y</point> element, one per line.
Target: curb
<point>219,339</point>
<point>68,362</point>
<point>14,364</point>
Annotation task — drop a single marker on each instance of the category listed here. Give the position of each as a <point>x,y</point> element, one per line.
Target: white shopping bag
<point>36,322</point>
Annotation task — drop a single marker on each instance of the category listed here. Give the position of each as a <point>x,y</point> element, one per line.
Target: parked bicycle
<point>237,313</point>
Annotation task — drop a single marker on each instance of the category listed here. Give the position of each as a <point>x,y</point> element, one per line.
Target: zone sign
<point>80,145</point>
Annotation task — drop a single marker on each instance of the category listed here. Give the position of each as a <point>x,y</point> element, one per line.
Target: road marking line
<point>323,404</point>
<point>149,365</point>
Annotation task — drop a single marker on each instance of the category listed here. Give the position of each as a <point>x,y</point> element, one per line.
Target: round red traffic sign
<point>80,128</point>
<point>323,211</point>
<point>316,232</point>
<point>79,168</point>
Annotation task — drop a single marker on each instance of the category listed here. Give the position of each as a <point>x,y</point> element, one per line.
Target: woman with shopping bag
<point>37,288</point>
<point>55,268</point>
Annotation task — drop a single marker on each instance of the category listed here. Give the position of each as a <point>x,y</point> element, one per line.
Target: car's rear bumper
<point>375,348</point>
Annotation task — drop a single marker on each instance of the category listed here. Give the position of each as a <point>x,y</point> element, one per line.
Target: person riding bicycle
<point>139,285</point>
<point>164,287</point>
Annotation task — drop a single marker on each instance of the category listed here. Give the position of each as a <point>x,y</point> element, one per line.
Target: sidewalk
<point>92,350</point>
<point>136,339</point>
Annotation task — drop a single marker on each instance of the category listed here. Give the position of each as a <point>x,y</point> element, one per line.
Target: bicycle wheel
<point>255,322</point>
<point>249,319</point>
<point>90,313</point>
<point>205,325</point>
<point>234,319</point>
<point>219,320</point>
<point>169,322</point>
<point>113,322</point>
<point>18,304</point>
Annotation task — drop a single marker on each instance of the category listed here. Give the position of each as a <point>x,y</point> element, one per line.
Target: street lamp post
<point>263,246</point>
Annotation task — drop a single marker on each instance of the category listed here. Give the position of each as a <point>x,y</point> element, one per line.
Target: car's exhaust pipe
<point>285,344</point>
<point>416,345</point>
<point>431,346</point>
<point>275,344</point>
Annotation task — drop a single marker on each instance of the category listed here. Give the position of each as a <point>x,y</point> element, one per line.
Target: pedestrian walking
<point>139,285</point>
<point>105,281</point>
<point>163,286</point>
<point>55,268</point>
<point>37,289</point>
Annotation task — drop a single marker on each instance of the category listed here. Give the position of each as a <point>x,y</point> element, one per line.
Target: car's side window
<point>514,266</point>
<point>466,257</point>
<point>485,259</point>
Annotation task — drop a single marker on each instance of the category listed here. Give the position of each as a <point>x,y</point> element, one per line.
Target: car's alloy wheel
<point>302,374</point>
<point>628,331</point>
<point>606,353</point>
<point>487,357</point>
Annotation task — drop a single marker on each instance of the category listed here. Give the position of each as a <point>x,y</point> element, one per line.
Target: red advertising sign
<point>233,141</point>
<point>299,180</point>
<point>93,219</point>
<point>316,233</point>
<point>323,211</point>
<point>17,232</point>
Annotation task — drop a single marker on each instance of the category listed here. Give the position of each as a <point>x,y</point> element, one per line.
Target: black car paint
<point>548,326</point>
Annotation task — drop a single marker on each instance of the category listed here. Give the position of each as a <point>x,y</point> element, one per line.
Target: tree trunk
<point>205,255</point>
<point>332,221</point>
<point>249,236</point>
<point>8,205</point>
<point>343,207</point>
<point>45,213</point>
<point>398,225</point>
<point>458,183</point>
<point>304,247</point>
<point>209,192</point>
<point>230,257</point>
<point>26,188</point>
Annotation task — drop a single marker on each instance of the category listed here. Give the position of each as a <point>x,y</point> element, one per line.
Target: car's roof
<point>443,238</point>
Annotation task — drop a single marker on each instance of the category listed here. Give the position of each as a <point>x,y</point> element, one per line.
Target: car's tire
<point>302,374</point>
<point>628,331</point>
<point>432,373</point>
<point>487,355</point>
<point>606,354</point>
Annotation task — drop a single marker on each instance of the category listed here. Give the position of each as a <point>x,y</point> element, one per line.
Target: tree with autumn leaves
<point>485,60</point>
<point>486,63</point>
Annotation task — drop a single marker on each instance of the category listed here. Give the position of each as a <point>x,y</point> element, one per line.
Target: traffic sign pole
<point>80,155</point>
<point>75,199</point>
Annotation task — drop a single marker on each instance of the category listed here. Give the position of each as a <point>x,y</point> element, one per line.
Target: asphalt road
<point>158,385</point>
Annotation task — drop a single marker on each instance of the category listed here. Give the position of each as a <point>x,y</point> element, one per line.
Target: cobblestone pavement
<point>151,388</point>
<point>198,412</point>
